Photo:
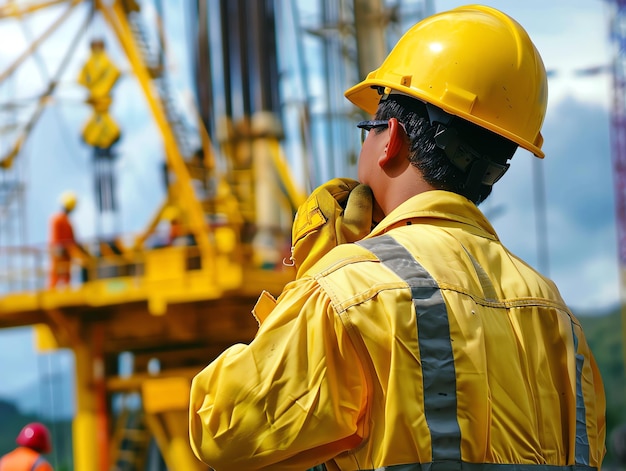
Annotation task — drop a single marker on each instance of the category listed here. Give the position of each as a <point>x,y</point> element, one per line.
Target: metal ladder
<point>133,441</point>
<point>154,64</point>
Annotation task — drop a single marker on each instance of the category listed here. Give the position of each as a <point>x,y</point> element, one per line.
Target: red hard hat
<point>36,436</point>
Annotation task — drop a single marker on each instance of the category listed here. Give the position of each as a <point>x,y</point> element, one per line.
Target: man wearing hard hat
<point>62,241</point>
<point>34,441</point>
<point>423,344</point>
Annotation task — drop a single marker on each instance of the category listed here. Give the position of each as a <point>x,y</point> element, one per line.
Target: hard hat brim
<point>365,95</point>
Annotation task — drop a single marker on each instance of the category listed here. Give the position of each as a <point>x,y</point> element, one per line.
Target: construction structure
<point>230,192</point>
<point>617,29</point>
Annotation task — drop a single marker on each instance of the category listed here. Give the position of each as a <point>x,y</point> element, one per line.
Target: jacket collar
<point>442,208</point>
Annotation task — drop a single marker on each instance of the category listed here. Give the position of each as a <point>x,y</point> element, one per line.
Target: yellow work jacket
<point>425,345</point>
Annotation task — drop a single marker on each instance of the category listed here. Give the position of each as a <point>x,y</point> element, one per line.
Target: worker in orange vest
<point>62,241</point>
<point>33,440</point>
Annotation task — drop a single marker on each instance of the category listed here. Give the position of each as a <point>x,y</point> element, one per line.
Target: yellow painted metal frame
<point>115,15</point>
<point>225,268</point>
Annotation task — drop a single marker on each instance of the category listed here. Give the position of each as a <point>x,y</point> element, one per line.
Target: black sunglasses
<point>367,126</point>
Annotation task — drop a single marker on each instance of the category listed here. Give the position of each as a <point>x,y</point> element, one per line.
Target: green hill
<point>605,338</point>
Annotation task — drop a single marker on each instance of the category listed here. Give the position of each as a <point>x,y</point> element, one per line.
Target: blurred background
<point>187,133</point>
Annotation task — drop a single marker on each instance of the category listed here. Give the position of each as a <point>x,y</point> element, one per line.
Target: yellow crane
<point>173,308</point>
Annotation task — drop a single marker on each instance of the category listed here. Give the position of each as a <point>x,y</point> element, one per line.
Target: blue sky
<point>577,170</point>
<point>580,215</point>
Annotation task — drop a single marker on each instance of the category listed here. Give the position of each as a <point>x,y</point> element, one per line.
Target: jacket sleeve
<point>291,399</point>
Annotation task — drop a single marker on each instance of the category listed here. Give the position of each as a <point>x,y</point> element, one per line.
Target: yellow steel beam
<point>7,161</point>
<point>35,44</point>
<point>115,15</point>
<point>166,403</point>
<point>165,280</point>
<point>171,432</point>
<point>135,382</point>
<point>295,195</point>
<point>12,9</point>
<point>88,449</point>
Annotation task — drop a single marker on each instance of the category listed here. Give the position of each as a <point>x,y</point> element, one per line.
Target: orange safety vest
<point>61,232</point>
<point>24,459</point>
<point>61,241</point>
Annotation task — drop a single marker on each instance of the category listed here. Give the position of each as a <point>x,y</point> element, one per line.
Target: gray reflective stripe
<point>582,439</point>
<point>40,460</point>
<point>433,334</point>
<point>439,374</point>
<point>484,467</point>
<point>489,291</point>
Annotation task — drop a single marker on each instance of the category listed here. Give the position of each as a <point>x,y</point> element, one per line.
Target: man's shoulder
<point>344,257</point>
<point>351,274</point>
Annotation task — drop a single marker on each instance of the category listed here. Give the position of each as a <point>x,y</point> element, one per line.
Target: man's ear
<point>396,142</point>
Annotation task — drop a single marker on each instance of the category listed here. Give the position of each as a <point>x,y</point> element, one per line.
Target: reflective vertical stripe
<point>582,440</point>
<point>435,347</point>
<point>39,461</point>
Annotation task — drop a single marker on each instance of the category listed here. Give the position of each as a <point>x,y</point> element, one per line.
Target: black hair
<point>426,152</point>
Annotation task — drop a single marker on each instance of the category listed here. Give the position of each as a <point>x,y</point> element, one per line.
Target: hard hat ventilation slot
<point>480,170</point>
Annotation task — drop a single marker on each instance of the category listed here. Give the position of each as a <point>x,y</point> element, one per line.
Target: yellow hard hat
<point>474,62</point>
<point>68,200</point>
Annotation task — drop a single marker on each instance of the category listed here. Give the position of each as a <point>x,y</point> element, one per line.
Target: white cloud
<point>570,35</point>
<point>579,205</point>
<point>580,215</point>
